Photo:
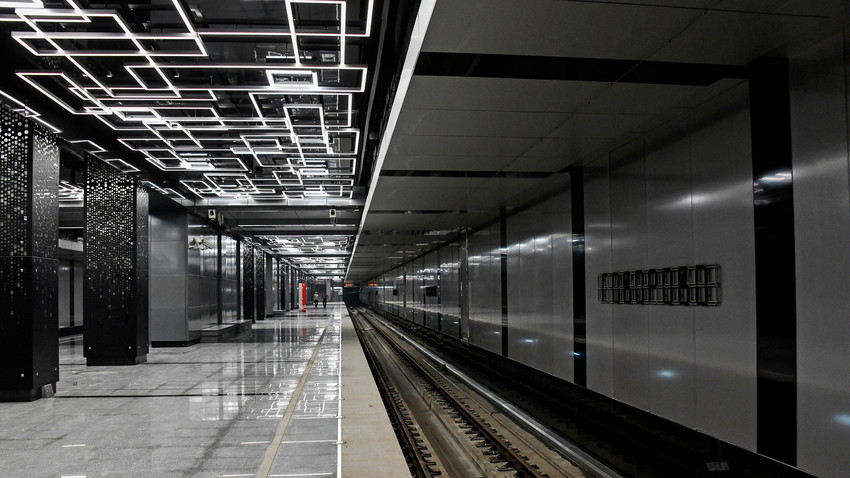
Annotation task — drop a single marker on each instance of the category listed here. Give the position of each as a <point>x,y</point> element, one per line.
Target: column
<point>116,279</point>
<point>29,222</point>
<point>248,308</point>
<point>260,283</point>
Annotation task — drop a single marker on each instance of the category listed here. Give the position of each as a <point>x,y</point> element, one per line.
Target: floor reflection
<point>204,410</point>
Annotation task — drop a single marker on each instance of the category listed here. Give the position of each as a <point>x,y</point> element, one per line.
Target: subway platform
<point>294,397</point>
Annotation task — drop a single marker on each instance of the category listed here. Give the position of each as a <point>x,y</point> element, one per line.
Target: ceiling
<point>253,108</point>
<point>500,98</point>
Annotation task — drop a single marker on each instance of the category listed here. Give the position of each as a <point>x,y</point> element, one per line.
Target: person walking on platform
<point>325,300</point>
<point>316,300</point>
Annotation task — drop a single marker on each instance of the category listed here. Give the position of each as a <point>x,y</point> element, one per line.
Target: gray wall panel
<point>430,281</point>
<point>168,285</point>
<point>485,315</point>
<point>539,278</point>
<point>229,280</point>
<point>822,237</point>
<point>170,291</point>
<point>272,285</point>
<point>723,223</point>
<point>670,237</point>
<point>560,321</point>
<point>629,249</point>
<point>597,224</point>
<point>168,257</point>
<point>522,288</point>
<point>170,325</point>
<point>409,280</point>
<point>168,307</point>
<point>65,293</point>
<point>450,289</point>
<point>79,271</point>
<point>202,277</point>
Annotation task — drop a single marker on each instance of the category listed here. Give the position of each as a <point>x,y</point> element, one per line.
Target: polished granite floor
<point>210,410</point>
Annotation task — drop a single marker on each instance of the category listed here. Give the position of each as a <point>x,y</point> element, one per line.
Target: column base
<point>45,391</point>
<point>175,343</point>
<point>99,361</point>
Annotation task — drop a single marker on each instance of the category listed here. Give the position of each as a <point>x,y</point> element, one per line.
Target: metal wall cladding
<point>628,251</point>
<point>397,301</point>
<point>431,289</point>
<point>29,177</point>
<point>247,286</point>
<point>485,292</point>
<point>450,290</point>
<point>415,299</point>
<point>681,194</point>
<point>260,283</point>
<point>539,270</point>
<point>822,222</point>
<point>597,232</point>
<point>168,271</point>
<point>670,240</point>
<point>116,289</point>
<point>271,283</point>
<point>15,183</point>
<point>276,284</point>
<point>45,202</point>
<point>70,277</point>
<point>725,336</point>
<point>64,312</point>
<point>229,279</point>
<point>201,276</point>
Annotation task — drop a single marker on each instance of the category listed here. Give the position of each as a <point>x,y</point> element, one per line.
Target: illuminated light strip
<point>343,19</point>
<point>270,73</point>
<point>153,121</point>
<point>122,165</point>
<point>168,192</point>
<point>22,4</point>
<point>41,35</point>
<point>97,149</point>
<point>293,34</point>
<point>25,75</point>
<point>252,66</point>
<point>29,112</point>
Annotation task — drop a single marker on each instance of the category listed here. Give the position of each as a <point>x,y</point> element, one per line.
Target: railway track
<point>445,428</point>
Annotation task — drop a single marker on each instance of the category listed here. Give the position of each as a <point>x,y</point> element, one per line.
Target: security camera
<point>211,214</point>
<point>332,213</point>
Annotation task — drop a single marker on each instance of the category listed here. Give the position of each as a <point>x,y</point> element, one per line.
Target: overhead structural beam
<point>272,222</point>
<point>311,256</point>
<point>289,208</point>
<point>271,231</point>
<point>225,203</point>
<point>478,65</point>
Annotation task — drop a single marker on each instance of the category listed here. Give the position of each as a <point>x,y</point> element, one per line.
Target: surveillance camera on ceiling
<point>332,213</point>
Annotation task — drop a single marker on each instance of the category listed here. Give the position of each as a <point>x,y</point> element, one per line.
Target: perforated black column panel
<point>116,279</point>
<point>260,283</point>
<point>29,177</point>
<point>142,286</point>
<point>248,281</point>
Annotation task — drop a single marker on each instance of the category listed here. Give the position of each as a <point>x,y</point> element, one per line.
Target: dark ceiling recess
<point>214,103</point>
<point>397,21</point>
